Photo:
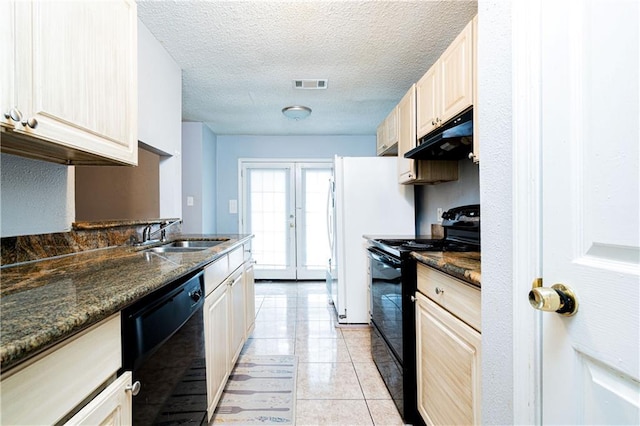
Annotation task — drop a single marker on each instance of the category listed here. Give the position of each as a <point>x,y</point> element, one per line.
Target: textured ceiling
<point>238,59</point>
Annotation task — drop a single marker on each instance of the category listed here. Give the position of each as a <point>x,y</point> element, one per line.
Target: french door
<point>284,205</point>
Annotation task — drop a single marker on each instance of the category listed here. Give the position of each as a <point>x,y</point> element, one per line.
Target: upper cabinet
<point>447,88</point>
<point>387,134</point>
<point>475,155</point>
<point>69,94</point>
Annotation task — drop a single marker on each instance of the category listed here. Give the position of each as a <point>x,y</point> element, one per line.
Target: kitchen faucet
<point>147,234</point>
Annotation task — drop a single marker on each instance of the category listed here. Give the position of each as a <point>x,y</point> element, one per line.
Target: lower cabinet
<point>111,407</point>
<point>52,387</point>
<point>229,284</point>
<point>250,294</point>
<point>216,338</point>
<point>237,302</point>
<point>448,354</point>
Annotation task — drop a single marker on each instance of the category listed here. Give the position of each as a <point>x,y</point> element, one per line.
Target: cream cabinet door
<point>216,340</point>
<point>381,138</point>
<point>113,406</point>
<point>250,296</point>
<point>448,366</point>
<point>7,65</point>
<point>407,135</point>
<point>456,90</point>
<point>237,315</point>
<point>76,75</point>
<point>428,101</point>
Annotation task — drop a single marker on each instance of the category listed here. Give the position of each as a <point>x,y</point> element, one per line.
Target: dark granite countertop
<point>44,302</point>
<point>462,265</point>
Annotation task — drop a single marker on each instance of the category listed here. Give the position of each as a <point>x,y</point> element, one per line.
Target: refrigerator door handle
<point>330,214</point>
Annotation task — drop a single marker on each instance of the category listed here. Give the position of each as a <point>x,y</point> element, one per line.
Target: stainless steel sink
<point>175,249</point>
<point>195,243</point>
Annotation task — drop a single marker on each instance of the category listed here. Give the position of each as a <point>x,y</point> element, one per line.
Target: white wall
<point>495,111</point>
<point>232,148</point>
<point>160,116</point>
<point>36,197</point>
<point>198,178</point>
<point>464,191</point>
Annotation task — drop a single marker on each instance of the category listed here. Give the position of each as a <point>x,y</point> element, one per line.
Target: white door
<point>591,210</point>
<point>284,206</point>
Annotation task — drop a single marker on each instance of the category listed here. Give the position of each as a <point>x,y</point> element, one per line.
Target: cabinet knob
<point>471,156</point>
<point>31,122</point>
<point>439,290</point>
<point>433,122</point>
<point>13,114</point>
<point>134,388</point>
<point>413,298</point>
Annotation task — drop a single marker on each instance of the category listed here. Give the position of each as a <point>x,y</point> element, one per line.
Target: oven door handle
<point>384,258</point>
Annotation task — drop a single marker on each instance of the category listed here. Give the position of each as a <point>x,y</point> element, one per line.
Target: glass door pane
<point>312,192</point>
<point>270,216</point>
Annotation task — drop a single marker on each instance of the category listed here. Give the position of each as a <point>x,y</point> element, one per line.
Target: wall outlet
<point>439,214</point>
<point>189,200</point>
<point>233,206</point>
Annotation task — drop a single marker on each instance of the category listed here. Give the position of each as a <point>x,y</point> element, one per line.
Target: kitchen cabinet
<point>113,406</point>
<point>228,283</point>
<point>216,338</point>
<point>448,349</point>
<point>447,88</point>
<point>475,155</point>
<point>7,65</point>
<point>387,135</point>
<point>237,310</point>
<point>250,294</point>
<point>71,95</point>
<point>47,388</point>
<point>417,171</point>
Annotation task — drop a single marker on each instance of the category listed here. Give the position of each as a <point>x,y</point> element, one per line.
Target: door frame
<point>526,209</point>
<point>241,200</point>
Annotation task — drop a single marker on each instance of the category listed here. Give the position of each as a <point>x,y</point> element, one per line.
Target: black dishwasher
<point>163,345</point>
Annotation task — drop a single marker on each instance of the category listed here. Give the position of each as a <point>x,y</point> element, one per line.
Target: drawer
<point>236,258</point>
<point>215,273</point>
<point>53,384</point>
<point>457,297</point>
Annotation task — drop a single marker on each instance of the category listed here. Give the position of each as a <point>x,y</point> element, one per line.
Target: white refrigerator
<point>365,198</point>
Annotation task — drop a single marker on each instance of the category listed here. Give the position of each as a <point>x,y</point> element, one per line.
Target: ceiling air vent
<point>309,84</point>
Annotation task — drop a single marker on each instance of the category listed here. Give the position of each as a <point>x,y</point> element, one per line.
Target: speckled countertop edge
<point>464,265</point>
<point>45,302</point>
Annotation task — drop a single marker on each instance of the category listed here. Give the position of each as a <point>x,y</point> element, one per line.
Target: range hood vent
<point>310,84</point>
<point>452,141</point>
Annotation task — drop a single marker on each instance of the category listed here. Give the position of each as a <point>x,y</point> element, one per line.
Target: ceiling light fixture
<point>296,112</point>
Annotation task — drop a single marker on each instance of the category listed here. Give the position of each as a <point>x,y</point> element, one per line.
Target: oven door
<point>386,298</point>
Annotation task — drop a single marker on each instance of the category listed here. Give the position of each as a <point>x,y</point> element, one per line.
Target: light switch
<point>189,201</point>
<point>233,206</point>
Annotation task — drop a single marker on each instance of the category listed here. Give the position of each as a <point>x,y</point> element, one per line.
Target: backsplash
<point>84,236</point>
<point>464,191</point>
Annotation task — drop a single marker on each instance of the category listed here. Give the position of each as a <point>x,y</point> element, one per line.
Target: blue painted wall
<point>231,148</point>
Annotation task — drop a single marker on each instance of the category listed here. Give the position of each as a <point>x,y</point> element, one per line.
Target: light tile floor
<point>338,383</point>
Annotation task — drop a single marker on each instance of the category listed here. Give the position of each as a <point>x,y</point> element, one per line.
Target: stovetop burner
<point>398,246</point>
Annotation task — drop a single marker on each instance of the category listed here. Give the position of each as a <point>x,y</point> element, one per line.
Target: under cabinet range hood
<point>452,141</point>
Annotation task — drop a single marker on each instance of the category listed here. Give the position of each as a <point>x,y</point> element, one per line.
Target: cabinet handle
<point>13,114</point>
<point>31,122</point>
<point>134,389</point>
<point>439,290</point>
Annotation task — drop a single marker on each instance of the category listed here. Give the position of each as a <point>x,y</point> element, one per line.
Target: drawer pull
<point>439,290</point>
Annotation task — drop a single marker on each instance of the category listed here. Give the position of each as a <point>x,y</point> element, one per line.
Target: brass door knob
<point>558,298</point>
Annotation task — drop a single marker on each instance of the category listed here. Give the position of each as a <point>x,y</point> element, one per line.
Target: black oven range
<point>392,272</point>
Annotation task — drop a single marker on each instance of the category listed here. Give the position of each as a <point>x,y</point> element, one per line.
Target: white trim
<point>527,214</point>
